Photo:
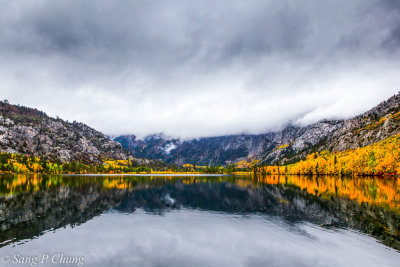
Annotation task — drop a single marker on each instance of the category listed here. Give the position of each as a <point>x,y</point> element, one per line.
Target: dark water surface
<point>59,220</point>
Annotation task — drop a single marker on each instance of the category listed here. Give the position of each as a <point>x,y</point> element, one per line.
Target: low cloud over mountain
<point>199,68</point>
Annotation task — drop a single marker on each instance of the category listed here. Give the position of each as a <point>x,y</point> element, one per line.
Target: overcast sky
<point>194,68</point>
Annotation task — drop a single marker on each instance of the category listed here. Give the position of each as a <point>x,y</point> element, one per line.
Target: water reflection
<point>32,205</point>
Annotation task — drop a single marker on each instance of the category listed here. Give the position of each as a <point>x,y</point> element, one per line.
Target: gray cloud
<point>195,68</point>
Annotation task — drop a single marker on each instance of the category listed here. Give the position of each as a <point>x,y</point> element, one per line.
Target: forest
<point>378,159</point>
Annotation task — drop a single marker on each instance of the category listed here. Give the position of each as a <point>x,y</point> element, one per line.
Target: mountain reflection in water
<point>32,205</point>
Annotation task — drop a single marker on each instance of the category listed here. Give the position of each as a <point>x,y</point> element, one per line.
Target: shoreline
<point>197,174</point>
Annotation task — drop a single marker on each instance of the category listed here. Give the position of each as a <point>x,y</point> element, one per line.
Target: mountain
<point>29,131</point>
<point>269,147</point>
<point>281,147</point>
<point>371,127</point>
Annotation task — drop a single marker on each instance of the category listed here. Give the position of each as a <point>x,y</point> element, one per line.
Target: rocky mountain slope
<point>289,145</point>
<point>31,132</point>
<point>371,127</point>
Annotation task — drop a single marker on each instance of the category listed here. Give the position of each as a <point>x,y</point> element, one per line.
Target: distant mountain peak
<point>287,145</point>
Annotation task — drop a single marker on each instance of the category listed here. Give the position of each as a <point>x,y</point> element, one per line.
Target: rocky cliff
<point>31,132</point>
<point>371,127</point>
<point>289,145</point>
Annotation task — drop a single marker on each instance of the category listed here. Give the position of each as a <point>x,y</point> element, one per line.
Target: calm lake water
<point>59,220</point>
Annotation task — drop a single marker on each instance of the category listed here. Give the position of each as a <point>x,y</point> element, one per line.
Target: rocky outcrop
<point>31,132</point>
<point>371,127</point>
<point>287,146</point>
<point>294,143</point>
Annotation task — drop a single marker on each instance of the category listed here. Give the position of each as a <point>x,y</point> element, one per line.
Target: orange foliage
<point>381,158</point>
<point>376,191</point>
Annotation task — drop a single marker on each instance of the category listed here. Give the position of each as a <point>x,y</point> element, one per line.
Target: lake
<point>77,220</point>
